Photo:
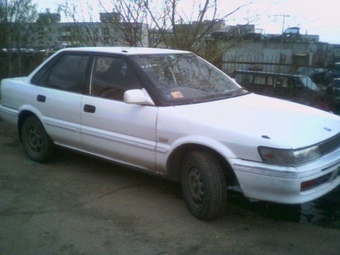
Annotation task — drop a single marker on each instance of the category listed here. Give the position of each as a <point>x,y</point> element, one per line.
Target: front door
<point>112,128</point>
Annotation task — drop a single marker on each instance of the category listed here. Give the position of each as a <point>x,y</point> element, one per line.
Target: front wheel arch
<point>203,185</point>
<point>175,160</point>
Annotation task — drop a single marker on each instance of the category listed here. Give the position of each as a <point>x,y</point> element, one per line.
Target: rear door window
<point>68,74</point>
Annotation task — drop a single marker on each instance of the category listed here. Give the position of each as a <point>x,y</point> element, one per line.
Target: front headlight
<point>289,157</point>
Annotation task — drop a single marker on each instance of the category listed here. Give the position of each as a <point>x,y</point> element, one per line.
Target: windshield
<point>186,78</point>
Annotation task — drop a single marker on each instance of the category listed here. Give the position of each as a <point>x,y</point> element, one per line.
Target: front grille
<point>330,145</point>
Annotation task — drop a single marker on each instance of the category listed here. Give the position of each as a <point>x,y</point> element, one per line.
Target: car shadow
<point>324,211</point>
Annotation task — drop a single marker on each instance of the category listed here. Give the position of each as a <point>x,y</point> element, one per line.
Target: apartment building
<point>49,33</point>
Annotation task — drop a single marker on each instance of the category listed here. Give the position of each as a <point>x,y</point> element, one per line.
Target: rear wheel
<point>38,145</point>
<point>203,185</point>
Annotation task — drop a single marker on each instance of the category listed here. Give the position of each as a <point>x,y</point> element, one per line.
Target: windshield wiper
<point>220,96</point>
<point>236,92</point>
<point>209,98</point>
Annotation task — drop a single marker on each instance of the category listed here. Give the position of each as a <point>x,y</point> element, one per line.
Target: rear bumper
<point>286,184</point>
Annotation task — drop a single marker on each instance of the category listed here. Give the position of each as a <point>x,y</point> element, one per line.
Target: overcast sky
<point>313,17</point>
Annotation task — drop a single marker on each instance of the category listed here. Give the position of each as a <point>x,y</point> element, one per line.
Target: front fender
<point>204,141</point>
<point>168,156</point>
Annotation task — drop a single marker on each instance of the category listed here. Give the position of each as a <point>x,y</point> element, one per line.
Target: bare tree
<point>173,26</point>
<point>123,24</point>
<point>16,21</point>
<point>131,21</point>
<point>169,24</point>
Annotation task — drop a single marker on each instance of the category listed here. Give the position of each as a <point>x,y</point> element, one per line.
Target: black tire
<point>38,145</point>
<point>203,184</point>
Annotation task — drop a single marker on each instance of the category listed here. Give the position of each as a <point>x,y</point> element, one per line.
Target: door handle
<point>89,108</point>
<point>41,98</point>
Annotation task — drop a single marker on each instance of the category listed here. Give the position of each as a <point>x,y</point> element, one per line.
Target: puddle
<point>324,211</point>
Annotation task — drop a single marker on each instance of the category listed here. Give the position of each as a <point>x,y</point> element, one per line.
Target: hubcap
<point>34,139</point>
<point>196,185</point>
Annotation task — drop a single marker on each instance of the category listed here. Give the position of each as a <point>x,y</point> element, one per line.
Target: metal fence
<point>276,64</point>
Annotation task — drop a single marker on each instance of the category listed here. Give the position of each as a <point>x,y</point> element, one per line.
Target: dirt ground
<point>77,205</point>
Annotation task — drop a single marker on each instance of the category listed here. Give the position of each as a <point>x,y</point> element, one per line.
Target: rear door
<point>58,98</point>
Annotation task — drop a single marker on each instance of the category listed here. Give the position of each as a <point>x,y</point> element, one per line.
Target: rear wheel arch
<point>21,119</point>
<point>38,145</point>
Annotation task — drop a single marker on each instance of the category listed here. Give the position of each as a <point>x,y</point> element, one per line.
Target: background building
<point>53,34</point>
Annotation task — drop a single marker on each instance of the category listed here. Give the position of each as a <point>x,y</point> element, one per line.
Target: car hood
<point>279,122</point>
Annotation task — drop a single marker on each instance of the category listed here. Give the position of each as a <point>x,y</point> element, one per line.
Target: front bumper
<point>288,185</point>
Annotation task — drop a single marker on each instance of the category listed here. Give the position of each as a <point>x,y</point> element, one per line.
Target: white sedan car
<point>172,113</point>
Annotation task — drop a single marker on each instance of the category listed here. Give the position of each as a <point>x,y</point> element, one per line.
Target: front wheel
<point>38,145</point>
<point>203,184</point>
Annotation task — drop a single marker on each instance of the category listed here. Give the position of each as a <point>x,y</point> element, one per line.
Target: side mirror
<point>137,96</point>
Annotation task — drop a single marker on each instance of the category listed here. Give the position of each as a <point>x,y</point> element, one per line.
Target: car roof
<point>126,50</point>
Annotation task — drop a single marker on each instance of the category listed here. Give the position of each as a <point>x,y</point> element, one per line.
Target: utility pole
<point>284,16</point>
